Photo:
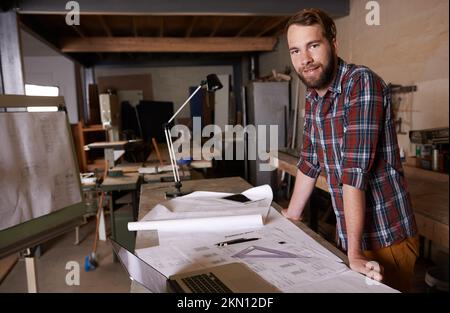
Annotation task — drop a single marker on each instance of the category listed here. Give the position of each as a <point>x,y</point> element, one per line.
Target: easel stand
<point>34,127</point>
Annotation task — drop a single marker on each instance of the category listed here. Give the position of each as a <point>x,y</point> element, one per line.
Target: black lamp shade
<point>213,82</point>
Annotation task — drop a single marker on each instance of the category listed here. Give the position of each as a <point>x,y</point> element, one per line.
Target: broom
<point>91,261</point>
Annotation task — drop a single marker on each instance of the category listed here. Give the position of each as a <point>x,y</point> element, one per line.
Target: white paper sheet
<point>204,224</point>
<point>37,167</point>
<point>289,258</point>
<point>283,254</point>
<point>204,211</point>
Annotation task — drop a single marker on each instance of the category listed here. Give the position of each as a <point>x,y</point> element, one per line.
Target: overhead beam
<point>105,26</point>
<point>216,26</point>
<point>274,24</point>
<point>135,29</point>
<point>158,44</point>
<point>336,8</point>
<point>161,26</point>
<point>246,27</point>
<point>191,26</point>
<point>78,30</point>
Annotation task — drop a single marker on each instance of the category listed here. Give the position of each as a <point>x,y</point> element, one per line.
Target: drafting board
<point>40,190</point>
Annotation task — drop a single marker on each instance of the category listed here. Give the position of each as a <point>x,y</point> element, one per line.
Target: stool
<point>436,279</point>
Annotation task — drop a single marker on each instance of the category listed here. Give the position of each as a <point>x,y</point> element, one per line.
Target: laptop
<point>226,278</point>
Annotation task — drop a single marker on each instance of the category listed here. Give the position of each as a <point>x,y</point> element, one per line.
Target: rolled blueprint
<point>218,223</point>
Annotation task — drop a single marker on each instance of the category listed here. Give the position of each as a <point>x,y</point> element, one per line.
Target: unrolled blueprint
<point>279,251</point>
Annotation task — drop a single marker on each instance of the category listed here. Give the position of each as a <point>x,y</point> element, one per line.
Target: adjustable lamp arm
<point>213,83</point>
<point>187,101</point>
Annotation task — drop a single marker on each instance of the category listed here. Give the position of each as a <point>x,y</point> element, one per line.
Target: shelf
<point>84,135</point>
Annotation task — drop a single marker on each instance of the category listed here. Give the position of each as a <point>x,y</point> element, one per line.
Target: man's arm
<point>307,173</point>
<point>303,188</point>
<point>363,121</point>
<point>354,211</point>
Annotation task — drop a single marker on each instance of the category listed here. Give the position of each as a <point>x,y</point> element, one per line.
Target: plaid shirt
<point>350,134</point>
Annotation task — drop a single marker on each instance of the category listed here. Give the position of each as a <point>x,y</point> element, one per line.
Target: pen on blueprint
<point>231,242</point>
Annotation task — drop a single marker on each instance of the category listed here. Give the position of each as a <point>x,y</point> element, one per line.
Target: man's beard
<point>327,75</point>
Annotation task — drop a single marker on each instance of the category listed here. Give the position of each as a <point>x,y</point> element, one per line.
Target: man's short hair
<point>309,17</point>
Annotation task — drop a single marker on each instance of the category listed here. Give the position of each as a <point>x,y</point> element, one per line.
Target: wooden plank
<point>161,27</point>
<point>246,27</point>
<point>157,44</point>
<point>191,26</point>
<point>135,27</point>
<point>216,26</point>
<point>432,230</point>
<point>78,30</point>
<point>105,26</point>
<point>271,26</point>
<point>93,128</point>
<point>128,181</point>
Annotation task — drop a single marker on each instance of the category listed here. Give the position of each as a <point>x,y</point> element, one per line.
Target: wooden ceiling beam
<point>105,26</point>
<point>216,26</point>
<point>191,26</point>
<point>135,28</point>
<point>247,26</point>
<point>157,44</point>
<point>78,30</point>
<point>272,25</point>
<point>161,27</point>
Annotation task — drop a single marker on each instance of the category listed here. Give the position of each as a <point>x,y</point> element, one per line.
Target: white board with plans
<point>38,169</point>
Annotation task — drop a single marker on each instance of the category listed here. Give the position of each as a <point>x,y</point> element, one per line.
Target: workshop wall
<point>409,47</point>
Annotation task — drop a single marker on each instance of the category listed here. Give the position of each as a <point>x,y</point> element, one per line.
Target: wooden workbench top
<point>152,194</point>
<point>128,181</point>
<point>428,190</point>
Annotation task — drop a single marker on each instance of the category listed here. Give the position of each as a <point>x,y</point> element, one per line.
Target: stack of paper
<point>204,211</point>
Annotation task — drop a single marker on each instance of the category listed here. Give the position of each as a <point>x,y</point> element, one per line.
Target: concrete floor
<point>51,266</point>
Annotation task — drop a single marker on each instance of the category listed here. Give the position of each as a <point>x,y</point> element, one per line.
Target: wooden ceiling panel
<point>176,26</point>
<point>146,26</point>
<point>158,34</point>
<point>90,25</point>
<point>120,25</point>
<point>204,25</point>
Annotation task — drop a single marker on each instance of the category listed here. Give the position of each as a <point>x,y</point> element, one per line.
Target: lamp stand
<point>173,163</point>
<point>177,192</point>
<point>213,83</point>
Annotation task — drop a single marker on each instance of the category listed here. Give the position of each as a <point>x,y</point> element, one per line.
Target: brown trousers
<point>398,261</point>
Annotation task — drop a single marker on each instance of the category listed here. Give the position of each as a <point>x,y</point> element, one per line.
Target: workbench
<point>152,194</point>
<point>428,190</point>
<point>111,185</point>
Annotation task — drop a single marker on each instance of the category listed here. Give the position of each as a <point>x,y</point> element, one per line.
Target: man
<point>349,133</point>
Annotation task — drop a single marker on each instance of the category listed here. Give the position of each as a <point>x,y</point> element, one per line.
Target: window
<point>38,90</point>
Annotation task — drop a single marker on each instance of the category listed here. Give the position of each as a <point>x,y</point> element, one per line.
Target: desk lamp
<point>212,83</point>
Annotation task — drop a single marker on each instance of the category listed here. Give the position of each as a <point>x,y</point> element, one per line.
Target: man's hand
<point>364,266</point>
<point>287,214</point>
